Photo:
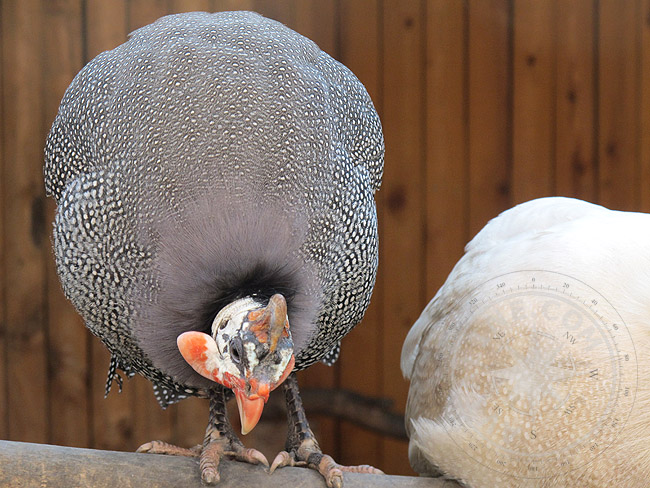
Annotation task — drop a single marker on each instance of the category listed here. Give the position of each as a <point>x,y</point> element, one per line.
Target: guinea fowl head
<point>250,351</point>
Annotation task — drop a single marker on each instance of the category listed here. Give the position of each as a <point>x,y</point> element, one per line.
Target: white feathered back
<point>607,251</point>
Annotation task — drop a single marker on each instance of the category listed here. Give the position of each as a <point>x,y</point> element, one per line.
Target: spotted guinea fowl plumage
<point>210,158</point>
<point>213,124</point>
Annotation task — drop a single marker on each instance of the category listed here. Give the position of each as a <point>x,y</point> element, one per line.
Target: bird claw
<point>282,459</point>
<point>248,455</point>
<point>285,459</point>
<point>210,475</point>
<point>334,478</point>
<point>161,447</point>
<point>362,468</point>
<point>331,471</point>
<point>212,453</point>
<point>210,456</point>
<point>146,447</point>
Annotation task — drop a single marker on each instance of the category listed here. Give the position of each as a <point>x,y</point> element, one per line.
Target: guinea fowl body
<point>508,387</point>
<point>210,158</point>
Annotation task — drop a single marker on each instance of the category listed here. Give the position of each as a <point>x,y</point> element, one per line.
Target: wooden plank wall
<point>485,104</point>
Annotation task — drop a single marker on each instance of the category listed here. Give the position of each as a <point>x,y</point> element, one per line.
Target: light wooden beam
<point>42,465</point>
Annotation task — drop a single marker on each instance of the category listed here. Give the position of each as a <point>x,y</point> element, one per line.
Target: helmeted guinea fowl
<point>528,367</point>
<point>216,224</point>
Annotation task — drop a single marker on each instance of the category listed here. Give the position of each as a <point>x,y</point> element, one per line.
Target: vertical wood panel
<point>150,421</point>
<point>512,98</point>
<point>112,423</point>
<point>191,419</point>
<point>105,26</point>
<point>576,170</point>
<point>25,234</point>
<point>317,20</point>
<point>618,100</point>
<point>224,5</point>
<point>144,12</point>
<point>403,197</point>
<point>489,110</point>
<point>360,361</point>
<point>447,157</point>
<point>178,6</point>
<point>533,100</point>
<point>644,119</point>
<point>4,392</point>
<point>281,10</point>
<point>68,338</point>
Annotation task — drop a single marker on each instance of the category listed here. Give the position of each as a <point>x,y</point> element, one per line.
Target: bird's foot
<point>161,447</point>
<point>308,454</point>
<point>215,449</point>
<point>210,455</point>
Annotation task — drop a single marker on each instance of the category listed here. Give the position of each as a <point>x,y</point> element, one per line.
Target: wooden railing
<point>46,466</point>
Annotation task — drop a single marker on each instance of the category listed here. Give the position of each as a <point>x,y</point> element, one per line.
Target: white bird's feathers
<point>557,234</point>
<point>604,249</point>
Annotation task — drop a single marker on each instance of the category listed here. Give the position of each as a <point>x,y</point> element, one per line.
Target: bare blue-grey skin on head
<point>209,158</point>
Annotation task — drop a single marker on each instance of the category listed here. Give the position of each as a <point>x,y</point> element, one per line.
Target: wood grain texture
<point>106,26</point>
<point>43,465</point>
<point>178,6</point>
<point>485,103</point>
<point>150,422</point>
<point>618,99</point>
<point>490,131</point>
<point>144,12</point>
<point>402,197</point>
<point>68,339</point>
<point>190,420</point>
<point>224,5</point>
<point>575,136</point>
<point>533,138</point>
<point>281,10</point>
<point>26,237</point>
<point>447,163</point>
<point>643,23</point>
<point>4,391</point>
<point>317,20</point>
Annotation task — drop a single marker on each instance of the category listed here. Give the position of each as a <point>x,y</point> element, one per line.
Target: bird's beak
<point>200,351</point>
<point>250,408</point>
<point>251,405</point>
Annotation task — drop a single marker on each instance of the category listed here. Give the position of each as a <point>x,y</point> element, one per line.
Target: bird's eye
<point>235,351</point>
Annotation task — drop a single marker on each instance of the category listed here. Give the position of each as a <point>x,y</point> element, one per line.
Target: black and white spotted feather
<point>213,156</point>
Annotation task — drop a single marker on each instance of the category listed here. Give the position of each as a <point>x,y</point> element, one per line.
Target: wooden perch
<point>40,465</point>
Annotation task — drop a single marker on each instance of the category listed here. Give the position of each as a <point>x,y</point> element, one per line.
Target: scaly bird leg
<point>302,447</point>
<point>220,440</point>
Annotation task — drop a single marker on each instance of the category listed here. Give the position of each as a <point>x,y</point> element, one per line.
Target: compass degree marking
<point>549,362</point>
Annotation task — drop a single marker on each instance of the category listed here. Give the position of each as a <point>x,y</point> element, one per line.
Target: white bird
<point>531,365</point>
